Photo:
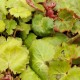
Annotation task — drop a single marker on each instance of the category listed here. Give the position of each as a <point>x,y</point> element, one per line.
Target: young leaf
<point>10,25</point>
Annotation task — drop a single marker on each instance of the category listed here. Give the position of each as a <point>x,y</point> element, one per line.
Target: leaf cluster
<point>35,46</point>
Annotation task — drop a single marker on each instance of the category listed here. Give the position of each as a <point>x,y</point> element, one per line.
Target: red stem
<point>32,5</point>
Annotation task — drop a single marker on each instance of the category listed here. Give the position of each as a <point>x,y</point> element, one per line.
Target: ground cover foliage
<point>39,40</point>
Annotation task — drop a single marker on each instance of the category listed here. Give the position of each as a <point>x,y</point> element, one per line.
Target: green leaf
<point>57,39</point>
<point>25,28</point>
<point>40,53</point>
<point>20,12</point>
<point>3,6</point>
<point>64,14</point>
<point>63,25</point>
<point>59,67</point>
<point>40,67</point>
<point>66,21</point>
<point>26,19</point>
<point>69,5</point>
<point>62,4</point>
<point>24,4</point>
<point>76,27</point>
<point>66,52</point>
<point>2,26</point>
<point>38,1</point>
<point>2,16</point>
<point>12,3</point>
<point>30,38</point>
<point>42,26</point>
<point>18,3</point>
<point>29,74</point>
<point>10,25</point>
<point>78,52</point>
<point>73,74</point>
<point>40,7</point>
<point>2,39</point>
<point>13,55</point>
